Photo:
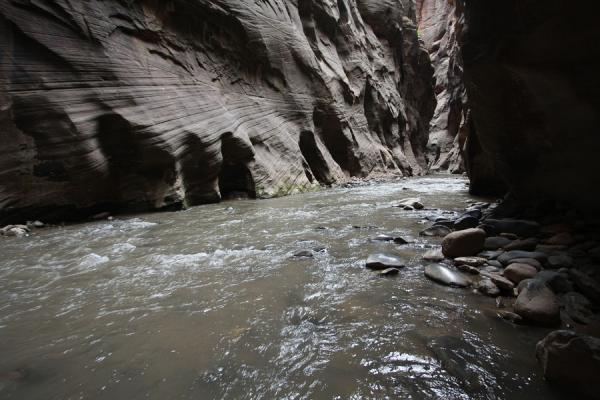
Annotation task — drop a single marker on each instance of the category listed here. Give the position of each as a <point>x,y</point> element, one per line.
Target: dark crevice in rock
<point>235,178</point>
<point>317,165</point>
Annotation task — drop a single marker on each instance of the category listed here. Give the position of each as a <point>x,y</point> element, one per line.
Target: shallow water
<point>209,304</point>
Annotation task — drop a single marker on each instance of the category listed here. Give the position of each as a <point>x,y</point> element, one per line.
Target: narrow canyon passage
<point>212,303</point>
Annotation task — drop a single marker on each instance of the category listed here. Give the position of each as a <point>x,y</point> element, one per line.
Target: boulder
<point>518,272</point>
<point>467,242</point>
<point>528,244</point>
<point>445,276</point>
<point>530,261</point>
<point>487,287</point>
<point>509,256</point>
<point>571,359</point>
<point>466,222</point>
<point>587,285</point>
<point>558,282</point>
<point>537,304</point>
<point>382,261</point>
<point>496,242</point>
<point>517,227</point>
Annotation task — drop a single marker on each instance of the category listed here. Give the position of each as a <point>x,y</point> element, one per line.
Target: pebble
<point>471,261</point>
<point>388,272</point>
<point>522,244</point>
<point>537,304</point>
<point>560,261</point>
<point>436,230</point>
<point>434,255</point>
<point>507,257</point>
<point>487,287</point>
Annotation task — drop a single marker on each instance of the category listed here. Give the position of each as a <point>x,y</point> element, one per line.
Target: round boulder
<point>467,242</point>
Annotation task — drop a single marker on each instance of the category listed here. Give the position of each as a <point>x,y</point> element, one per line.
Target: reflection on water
<point>210,303</point>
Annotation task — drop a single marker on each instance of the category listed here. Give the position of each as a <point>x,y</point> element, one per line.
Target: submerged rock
<point>388,272</point>
<point>304,254</point>
<point>414,203</point>
<point>436,230</point>
<point>382,261</point>
<point>467,242</point>
<point>445,276</point>
<point>434,255</point>
<point>570,359</point>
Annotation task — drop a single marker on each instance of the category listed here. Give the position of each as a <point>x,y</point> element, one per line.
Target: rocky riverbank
<point>542,269</point>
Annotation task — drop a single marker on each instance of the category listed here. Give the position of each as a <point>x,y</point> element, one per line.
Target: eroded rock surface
<point>118,105</point>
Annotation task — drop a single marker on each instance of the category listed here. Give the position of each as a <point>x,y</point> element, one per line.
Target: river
<point>209,303</point>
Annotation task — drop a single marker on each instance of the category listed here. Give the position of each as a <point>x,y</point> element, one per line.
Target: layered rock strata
<point>137,105</point>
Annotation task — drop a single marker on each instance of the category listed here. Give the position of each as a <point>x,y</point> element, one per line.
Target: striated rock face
<point>439,25</point>
<point>531,73</point>
<point>136,105</point>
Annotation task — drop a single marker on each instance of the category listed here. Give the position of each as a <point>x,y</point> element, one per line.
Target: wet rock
<point>435,255</point>
<point>495,263</point>
<point>466,222</point>
<point>571,359</point>
<point>471,261</point>
<point>413,203</point>
<point>467,269</point>
<point>445,276</point>
<point>382,261</point>
<point>490,255</point>
<point>510,316</point>
<point>557,281</point>
<point>517,227</point>
<point>436,231</point>
<point>522,244</point>
<point>487,287</point>
<point>577,307</point>
<point>474,212</point>
<point>507,257</point>
<point>529,261</point>
<point>587,285</point>
<point>561,239</point>
<point>559,261</point>
<point>388,238</point>
<point>509,236</point>
<point>303,254</point>
<point>496,242</point>
<point>35,224</point>
<point>537,304</point>
<point>467,242</point>
<point>15,230</point>
<point>490,269</point>
<point>388,272</point>
<point>518,272</point>
<point>502,282</point>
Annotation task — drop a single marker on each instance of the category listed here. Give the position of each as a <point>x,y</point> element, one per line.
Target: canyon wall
<point>531,73</point>
<point>137,105</point>
<point>439,24</point>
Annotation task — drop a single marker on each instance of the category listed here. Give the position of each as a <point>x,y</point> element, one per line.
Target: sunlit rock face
<point>138,105</point>
<point>531,73</point>
<point>439,24</point>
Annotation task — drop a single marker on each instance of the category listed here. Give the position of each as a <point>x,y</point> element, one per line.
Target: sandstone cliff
<point>138,105</point>
<point>439,24</point>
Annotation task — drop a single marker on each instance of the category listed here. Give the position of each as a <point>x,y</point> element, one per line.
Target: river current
<point>209,303</point>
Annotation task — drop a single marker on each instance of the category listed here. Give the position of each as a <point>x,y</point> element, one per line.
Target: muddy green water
<point>209,304</point>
